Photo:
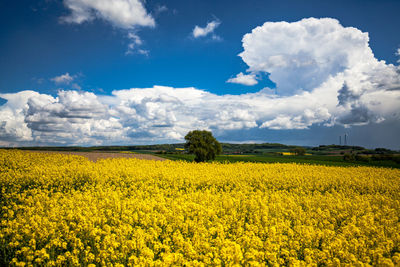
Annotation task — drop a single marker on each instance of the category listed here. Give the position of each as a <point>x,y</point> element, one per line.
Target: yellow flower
<point>61,210</point>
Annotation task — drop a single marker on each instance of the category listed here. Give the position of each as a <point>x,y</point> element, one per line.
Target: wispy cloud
<point>244,79</point>
<point>207,30</point>
<point>134,46</point>
<point>160,9</point>
<point>63,79</point>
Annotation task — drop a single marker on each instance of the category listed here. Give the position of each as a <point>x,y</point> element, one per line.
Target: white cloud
<point>135,38</point>
<point>63,79</point>
<point>126,14</point>
<point>398,54</point>
<point>76,86</point>
<point>160,9</point>
<point>12,117</point>
<point>244,79</point>
<point>333,63</point>
<point>302,55</point>
<point>209,29</point>
<point>166,114</point>
<point>134,45</point>
<point>302,121</point>
<point>72,117</point>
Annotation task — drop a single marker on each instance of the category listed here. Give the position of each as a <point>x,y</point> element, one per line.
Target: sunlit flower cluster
<point>64,210</point>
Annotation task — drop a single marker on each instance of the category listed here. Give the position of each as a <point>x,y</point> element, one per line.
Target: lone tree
<point>299,151</point>
<point>203,145</point>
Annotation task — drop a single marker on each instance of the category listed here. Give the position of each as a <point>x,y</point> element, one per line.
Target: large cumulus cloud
<point>333,63</point>
<point>12,118</point>
<point>302,55</point>
<point>69,118</point>
<point>325,74</point>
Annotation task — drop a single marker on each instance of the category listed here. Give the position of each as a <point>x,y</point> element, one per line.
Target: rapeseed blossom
<point>64,210</point>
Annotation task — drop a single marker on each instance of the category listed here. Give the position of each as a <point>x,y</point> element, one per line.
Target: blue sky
<point>76,72</point>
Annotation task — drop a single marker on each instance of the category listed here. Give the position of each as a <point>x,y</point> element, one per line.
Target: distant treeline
<point>337,147</point>
<point>226,148</point>
<point>250,147</point>
<point>355,149</point>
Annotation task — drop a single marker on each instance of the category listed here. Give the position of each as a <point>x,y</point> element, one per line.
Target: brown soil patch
<point>94,156</point>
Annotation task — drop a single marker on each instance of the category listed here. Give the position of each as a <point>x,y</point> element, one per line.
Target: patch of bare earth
<point>94,156</point>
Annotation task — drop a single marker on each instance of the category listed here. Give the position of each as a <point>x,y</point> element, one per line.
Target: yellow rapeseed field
<point>64,210</point>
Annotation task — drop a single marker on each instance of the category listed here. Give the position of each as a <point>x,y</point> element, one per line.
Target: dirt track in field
<point>94,156</point>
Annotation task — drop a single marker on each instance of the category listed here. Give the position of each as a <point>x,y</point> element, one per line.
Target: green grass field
<point>313,159</point>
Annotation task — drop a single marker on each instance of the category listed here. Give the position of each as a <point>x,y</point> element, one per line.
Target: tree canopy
<point>203,145</point>
<point>299,151</point>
